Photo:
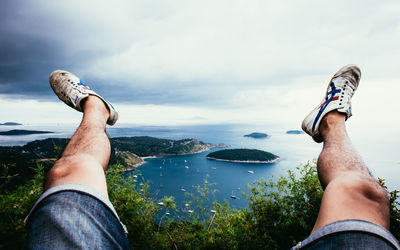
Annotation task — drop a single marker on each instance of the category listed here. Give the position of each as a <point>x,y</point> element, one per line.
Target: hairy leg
<point>350,190</point>
<point>86,156</point>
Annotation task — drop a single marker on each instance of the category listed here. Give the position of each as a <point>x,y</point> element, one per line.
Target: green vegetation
<point>149,146</point>
<point>280,213</point>
<point>243,155</point>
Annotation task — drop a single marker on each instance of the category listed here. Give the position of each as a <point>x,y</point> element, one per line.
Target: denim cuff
<point>76,188</point>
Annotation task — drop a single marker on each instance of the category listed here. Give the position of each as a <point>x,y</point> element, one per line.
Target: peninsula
<point>24,132</point>
<point>257,135</point>
<point>130,152</point>
<point>243,156</point>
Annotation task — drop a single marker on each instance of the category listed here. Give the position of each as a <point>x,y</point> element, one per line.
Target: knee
<point>69,164</point>
<point>361,187</point>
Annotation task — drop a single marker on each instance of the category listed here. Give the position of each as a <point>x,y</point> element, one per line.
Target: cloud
<point>194,53</point>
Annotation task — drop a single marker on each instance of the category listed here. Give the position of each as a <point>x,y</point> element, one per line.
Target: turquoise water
<point>177,175</point>
<point>168,176</point>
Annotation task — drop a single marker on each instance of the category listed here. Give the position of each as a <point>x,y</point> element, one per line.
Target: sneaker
<point>338,97</point>
<point>69,88</point>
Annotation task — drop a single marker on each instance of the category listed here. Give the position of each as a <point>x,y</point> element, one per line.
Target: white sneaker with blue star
<point>69,88</point>
<point>338,97</point>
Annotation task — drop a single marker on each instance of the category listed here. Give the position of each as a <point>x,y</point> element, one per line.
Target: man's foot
<point>338,97</point>
<point>69,88</point>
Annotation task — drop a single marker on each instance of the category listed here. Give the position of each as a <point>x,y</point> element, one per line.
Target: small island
<point>257,135</point>
<point>10,124</point>
<point>294,132</point>
<point>24,132</point>
<point>243,156</point>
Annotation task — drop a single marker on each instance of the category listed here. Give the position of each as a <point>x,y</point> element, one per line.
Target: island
<point>24,132</point>
<point>243,156</point>
<point>129,152</point>
<point>10,124</point>
<point>294,132</point>
<point>257,135</point>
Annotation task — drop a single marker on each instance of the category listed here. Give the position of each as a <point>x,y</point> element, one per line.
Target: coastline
<point>252,162</point>
<point>166,155</point>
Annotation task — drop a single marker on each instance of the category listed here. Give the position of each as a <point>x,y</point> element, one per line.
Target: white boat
<point>186,166</point>
<point>250,172</point>
<point>161,203</point>
<point>233,196</point>
<point>183,190</point>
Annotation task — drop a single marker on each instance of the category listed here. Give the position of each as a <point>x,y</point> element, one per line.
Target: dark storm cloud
<point>26,58</point>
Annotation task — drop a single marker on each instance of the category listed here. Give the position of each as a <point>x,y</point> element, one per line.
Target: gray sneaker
<point>338,97</point>
<point>69,88</point>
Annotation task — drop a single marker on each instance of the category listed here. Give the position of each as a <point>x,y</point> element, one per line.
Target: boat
<point>233,196</point>
<point>183,190</point>
<point>161,203</point>
<point>250,172</point>
<point>186,166</point>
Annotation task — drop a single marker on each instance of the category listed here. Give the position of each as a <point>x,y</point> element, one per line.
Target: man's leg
<point>86,156</point>
<point>354,212</point>
<point>350,191</point>
<point>74,211</point>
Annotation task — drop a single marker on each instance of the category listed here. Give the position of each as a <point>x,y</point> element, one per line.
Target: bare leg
<point>350,191</point>
<point>86,156</point>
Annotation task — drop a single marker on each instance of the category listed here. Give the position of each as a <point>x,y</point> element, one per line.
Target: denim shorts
<point>350,234</point>
<point>73,216</point>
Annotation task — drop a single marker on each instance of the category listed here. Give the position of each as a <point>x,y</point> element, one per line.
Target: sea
<point>178,176</point>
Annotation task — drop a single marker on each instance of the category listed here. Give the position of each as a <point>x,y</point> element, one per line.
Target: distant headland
<point>24,132</point>
<point>257,135</point>
<point>243,156</point>
<point>294,132</point>
<point>10,124</point>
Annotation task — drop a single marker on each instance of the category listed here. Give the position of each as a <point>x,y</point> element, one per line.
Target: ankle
<point>95,104</point>
<point>331,121</point>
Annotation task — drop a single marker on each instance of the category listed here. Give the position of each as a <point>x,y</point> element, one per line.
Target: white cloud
<point>249,61</point>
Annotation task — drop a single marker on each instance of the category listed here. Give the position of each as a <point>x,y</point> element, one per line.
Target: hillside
<point>125,150</point>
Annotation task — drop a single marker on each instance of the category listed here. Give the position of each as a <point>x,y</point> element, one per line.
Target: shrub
<point>280,213</point>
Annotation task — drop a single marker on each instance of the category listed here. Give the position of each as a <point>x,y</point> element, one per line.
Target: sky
<point>200,62</point>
